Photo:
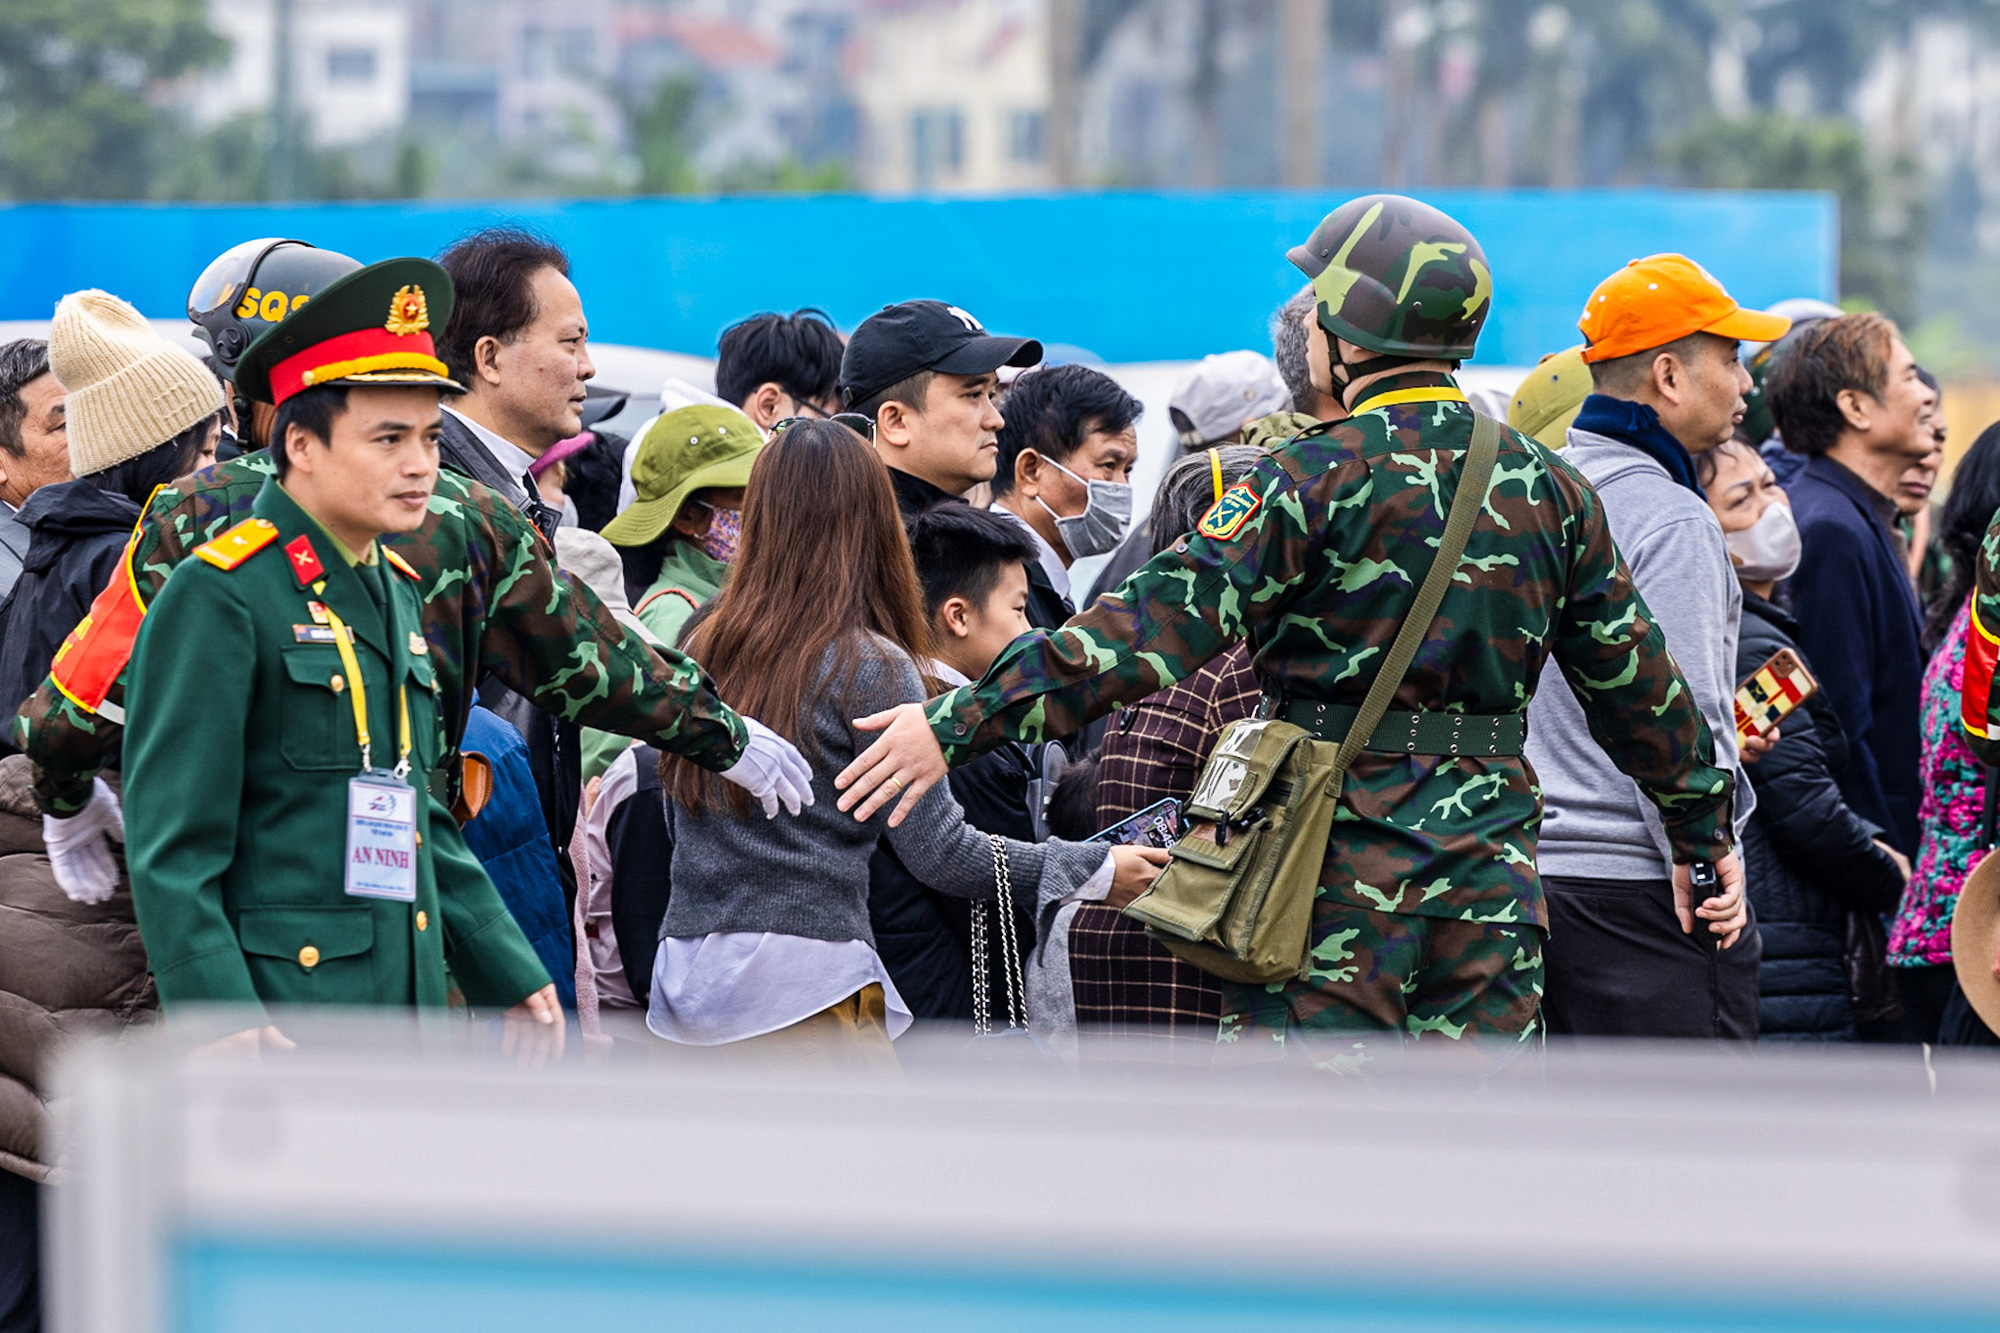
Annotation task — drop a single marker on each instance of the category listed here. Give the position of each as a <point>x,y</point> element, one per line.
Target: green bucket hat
<point>687,450</point>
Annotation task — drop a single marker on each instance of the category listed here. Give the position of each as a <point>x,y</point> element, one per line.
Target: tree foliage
<point>78,84</point>
<point>1880,209</point>
<point>663,132</point>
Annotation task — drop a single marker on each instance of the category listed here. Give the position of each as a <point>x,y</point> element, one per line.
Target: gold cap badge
<point>408,312</point>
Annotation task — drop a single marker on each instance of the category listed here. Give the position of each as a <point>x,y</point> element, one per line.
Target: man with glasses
<point>926,374</point>
<point>854,421</point>
<point>773,366</point>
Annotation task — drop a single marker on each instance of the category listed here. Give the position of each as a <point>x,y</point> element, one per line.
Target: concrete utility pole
<point>284,177</point>
<point>1302,26</point>
<point>1396,104</point>
<point>1204,91</point>
<point>1065,95</point>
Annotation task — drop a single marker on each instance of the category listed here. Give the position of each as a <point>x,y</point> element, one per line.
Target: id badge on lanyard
<point>381,804</point>
<point>381,837</point>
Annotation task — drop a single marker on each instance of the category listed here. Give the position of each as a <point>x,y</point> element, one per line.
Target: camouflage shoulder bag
<point>1236,901</point>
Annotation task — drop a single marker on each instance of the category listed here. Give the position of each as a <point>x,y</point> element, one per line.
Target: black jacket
<point>1859,620</point>
<point>77,533</point>
<point>925,937</point>
<point>914,494</point>
<point>642,856</point>
<point>464,453</point>
<point>1047,608</point>
<point>1808,859</point>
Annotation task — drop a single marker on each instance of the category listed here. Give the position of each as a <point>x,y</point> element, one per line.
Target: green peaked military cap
<point>376,325</point>
<point>688,449</point>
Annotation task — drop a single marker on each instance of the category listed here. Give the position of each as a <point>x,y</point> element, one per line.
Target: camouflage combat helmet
<point>249,288</point>
<point>1397,277</point>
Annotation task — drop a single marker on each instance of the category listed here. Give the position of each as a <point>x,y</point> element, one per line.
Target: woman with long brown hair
<point>821,622</point>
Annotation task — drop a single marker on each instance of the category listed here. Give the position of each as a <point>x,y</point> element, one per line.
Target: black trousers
<point>1962,1025</point>
<point>1618,965</point>
<point>1926,993</point>
<point>20,1254</point>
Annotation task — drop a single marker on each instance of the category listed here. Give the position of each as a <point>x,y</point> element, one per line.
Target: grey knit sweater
<point>807,874</point>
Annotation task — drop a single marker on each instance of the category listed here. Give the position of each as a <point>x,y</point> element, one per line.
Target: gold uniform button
<point>423,920</point>
<point>337,684</point>
<point>309,957</point>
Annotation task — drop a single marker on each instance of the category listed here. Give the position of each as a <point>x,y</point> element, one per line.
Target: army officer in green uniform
<point>283,841</point>
<point>1428,917</point>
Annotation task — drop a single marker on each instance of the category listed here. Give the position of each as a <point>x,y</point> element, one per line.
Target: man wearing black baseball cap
<point>926,374</point>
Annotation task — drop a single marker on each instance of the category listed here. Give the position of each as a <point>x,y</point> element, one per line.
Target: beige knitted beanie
<point>129,388</point>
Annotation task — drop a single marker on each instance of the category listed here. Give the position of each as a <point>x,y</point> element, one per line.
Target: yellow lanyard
<point>344,641</point>
<point>1215,471</point>
<point>1442,393</point>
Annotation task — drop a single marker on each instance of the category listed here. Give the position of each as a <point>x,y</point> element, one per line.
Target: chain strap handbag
<point>1002,905</point>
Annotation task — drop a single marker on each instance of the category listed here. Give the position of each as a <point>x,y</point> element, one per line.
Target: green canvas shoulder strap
<point>1466,502</point>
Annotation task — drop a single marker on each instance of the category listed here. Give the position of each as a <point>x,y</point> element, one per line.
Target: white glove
<point>772,770</point>
<point>80,846</point>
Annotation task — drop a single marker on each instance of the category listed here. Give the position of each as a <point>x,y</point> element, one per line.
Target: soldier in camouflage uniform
<point>493,604</point>
<point>1979,702</point>
<point>1981,721</point>
<point>1429,916</point>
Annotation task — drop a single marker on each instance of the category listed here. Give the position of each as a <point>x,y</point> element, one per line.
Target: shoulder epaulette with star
<point>238,544</point>
<point>408,570</point>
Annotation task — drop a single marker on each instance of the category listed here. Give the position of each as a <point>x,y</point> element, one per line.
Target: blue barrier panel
<point>1131,277</point>
<point>241,1285</point>
<point>392,1176</point>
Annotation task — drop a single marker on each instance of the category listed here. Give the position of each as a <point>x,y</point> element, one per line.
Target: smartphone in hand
<point>1703,884</point>
<point>1771,691</point>
<point>1158,825</point>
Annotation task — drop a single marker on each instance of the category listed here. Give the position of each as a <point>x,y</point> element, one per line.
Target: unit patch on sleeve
<point>1226,517</point>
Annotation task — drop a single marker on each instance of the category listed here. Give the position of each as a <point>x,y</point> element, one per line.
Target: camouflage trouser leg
<point>1382,978</point>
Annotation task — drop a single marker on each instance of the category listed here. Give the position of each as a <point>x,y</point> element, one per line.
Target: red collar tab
<point>306,567</point>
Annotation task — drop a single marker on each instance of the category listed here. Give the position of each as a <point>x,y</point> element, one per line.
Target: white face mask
<point>1767,550</point>
<point>1107,512</point>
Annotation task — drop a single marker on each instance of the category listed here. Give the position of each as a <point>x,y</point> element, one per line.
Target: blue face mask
<point>1107,513</point>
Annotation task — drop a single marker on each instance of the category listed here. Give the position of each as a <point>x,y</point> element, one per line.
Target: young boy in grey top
<point>1621,957</point>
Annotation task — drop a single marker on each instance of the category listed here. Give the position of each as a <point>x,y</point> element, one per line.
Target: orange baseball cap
<point>1653,301</point>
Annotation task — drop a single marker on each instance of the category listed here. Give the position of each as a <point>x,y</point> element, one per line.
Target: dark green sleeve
<point>1183,607</point>
<point>551,638</point>
<point>68,743</point>
<point>184,756</point>
<point>488,955</point>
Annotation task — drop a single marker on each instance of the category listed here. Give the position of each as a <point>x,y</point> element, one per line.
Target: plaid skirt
<point>1127,986</point>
